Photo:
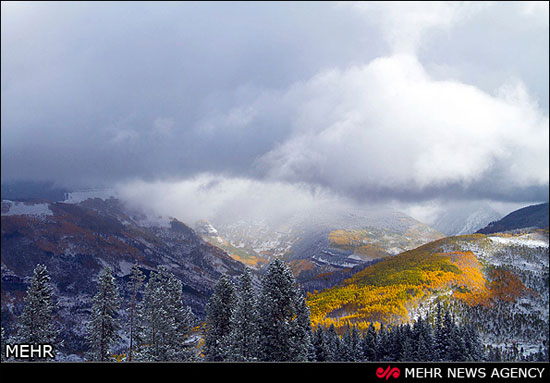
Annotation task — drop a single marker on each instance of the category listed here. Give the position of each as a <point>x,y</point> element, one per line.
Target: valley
<point>362,268</point>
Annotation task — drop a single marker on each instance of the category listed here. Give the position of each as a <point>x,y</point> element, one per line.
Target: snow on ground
<point>155,221</point>
<point>22,208</point>
<point>125,268</point>
<point>522,240</point>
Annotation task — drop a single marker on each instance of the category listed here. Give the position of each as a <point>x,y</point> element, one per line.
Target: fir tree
<point>369,344</point>
<point>36,324</point>
<point>219,312</point>
<point>351,342</point>
<point>136,281</point>
<point>473,344</point>
<point>334,345</point>
<point>438,350</point>
<point>423,338</point>
<point>457,346</point>
<point>408,353</point>
<point>395,343</point>
<point>278,314</point>
<point>384,346</point>
<point>165,323</point>
<point>244,336</point>
<point>320,345</point>
<point>422,353</point>
<point>445,336</point>
<point>301,330</point>
<point>178,322</point>
<point>103,325</point>
<point>151,314</point>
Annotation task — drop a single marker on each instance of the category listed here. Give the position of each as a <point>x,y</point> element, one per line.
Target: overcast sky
<point>404,103</point>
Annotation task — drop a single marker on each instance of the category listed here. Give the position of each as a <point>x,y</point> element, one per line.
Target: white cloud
<point>388,124</point>
<point>216,197</point>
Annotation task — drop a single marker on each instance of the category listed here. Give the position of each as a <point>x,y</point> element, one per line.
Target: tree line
<point>244,323</point>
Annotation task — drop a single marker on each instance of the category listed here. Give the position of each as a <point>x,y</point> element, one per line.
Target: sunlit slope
<point>475,273</point>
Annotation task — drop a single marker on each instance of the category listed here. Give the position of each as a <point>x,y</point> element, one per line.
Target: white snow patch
<point>522,241</point>
<point>22,208</point>
<point>155,221</point>
<point>125,267</point>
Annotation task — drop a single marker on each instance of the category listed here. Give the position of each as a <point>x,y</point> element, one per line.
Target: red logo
<point>388,372</point>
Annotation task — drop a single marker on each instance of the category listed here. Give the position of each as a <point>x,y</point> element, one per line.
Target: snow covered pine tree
<point>36,324</point>
<point>244,335</point>
<point>103,325</point>
<point>219,312</point>
<point>284,334</point>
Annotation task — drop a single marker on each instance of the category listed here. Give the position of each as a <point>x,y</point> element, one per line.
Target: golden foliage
<point>382,292</point>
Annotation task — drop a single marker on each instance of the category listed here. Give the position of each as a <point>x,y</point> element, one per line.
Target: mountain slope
<point>465,218</point>
<point>75,241</point>
<point>498,282</point>
<point>240,252</point>
<point>330,235</point>
<point>535,216</point>
<point>322,246</point>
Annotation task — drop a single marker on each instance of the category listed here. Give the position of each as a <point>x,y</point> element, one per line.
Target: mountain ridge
<point>75,241</point>
<point>534,216</point>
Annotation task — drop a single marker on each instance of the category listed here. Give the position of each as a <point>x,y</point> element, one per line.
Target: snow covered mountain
<point>465,218</point>
<point>76,240</point>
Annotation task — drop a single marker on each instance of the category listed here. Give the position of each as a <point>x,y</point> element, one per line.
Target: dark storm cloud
<point>363,100</point>
<point>84,83</point>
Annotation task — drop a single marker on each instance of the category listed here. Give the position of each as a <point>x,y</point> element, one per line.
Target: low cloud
<point>225,199</point>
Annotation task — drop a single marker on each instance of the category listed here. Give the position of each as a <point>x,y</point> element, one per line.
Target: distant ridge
<point>527,217</point>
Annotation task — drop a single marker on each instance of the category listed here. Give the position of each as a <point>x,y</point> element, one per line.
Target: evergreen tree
<point>438,350</point>
<point>151,313</point>
<point>408,352</point>
<point>423,339</point>
<point>103,325</point>
<point>178,322</point>
<point>320,345</point>
<point>164,322</point>
<point>36,324</point>
<point>422,353</point>
<point>278,309</point>
<point>356,344</point>
<point>334,345</point>
<point>219,312</point>
<point>301,330</point>
<point>370,344</point>
<point>351,344</point>
<point>244,336</point>
<point>136,281</point>
<point>457,346</point>
<point>384,346</point>
<point>445,335</point>
<point>395,343</point>
<point>473,344</point>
